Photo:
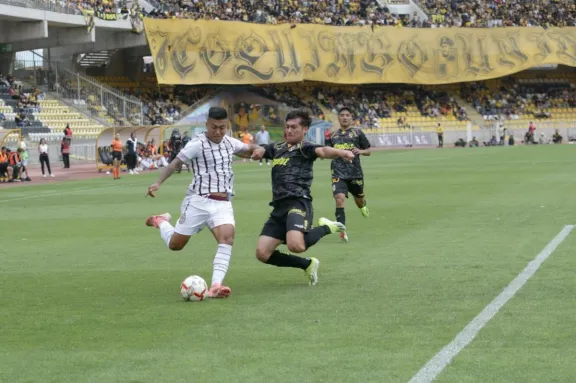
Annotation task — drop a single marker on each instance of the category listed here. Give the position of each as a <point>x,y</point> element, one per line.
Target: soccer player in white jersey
<point>207,201</point>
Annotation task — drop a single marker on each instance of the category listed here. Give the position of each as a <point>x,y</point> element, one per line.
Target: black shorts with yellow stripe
<point>289,214</point>
<point>354,187</point>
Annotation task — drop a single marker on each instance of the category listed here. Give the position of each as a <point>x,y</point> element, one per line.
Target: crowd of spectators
<point>512,99</point>
<point>328,12</point>
<point>500,13</point>
<point>442,13</point>
<point>106,6</point>
<point>373,103</point>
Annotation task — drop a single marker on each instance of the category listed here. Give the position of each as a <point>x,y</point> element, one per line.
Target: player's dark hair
<point>217,113</point>
<point>346,108</point>
<point>303,115</point>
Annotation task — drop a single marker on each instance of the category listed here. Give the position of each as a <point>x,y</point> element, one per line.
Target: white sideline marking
<point>442,359</point>
<point>64,192</point>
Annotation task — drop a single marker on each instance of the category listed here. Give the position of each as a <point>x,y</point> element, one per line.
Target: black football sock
<point>341,215</point>
<point>313,236</point>
<point>280,259</point>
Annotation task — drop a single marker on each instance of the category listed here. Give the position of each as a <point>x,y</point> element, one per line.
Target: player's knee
<point>262,255</point>
<point>176,246</point>
<point>296,246</point>
<point>340,200</point>
<point>226,240</point>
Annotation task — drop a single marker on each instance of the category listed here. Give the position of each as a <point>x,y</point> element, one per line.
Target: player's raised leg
<point>298,239</point>
<point>173,240</point>
<point>357,191</point>
<point>267,252</point>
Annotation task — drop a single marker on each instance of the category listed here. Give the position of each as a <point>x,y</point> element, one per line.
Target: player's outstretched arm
<point>165,173</point>
<point>255,152</point>
<point>331,153</point>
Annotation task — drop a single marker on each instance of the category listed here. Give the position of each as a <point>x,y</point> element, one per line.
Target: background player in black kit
<point>348,176</point>
<point>291,219</point>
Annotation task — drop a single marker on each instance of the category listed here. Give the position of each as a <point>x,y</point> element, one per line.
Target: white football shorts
<point>197,212</point>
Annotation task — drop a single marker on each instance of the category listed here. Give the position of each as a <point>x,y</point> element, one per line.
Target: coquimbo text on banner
<point>227,52</point>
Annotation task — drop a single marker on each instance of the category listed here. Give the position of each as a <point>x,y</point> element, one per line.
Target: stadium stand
<point>347,13</point>
<point>29,110</point>
<point>161,104</point>
<point>499,13</point>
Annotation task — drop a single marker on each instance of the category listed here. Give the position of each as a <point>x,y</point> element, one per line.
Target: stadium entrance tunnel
<point>143,134</point>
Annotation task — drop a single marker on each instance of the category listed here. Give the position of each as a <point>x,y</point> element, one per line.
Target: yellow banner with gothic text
<point>225,52</point>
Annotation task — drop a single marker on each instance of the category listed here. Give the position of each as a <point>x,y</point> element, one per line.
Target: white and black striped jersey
<point>211,164</point>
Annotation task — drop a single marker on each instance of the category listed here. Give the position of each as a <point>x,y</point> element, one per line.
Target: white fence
<point>78,152</point>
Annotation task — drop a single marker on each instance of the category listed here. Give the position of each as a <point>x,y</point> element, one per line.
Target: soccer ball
<point>194,288</point>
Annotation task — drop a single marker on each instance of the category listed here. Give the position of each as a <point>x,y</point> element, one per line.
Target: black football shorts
<point>354,187</point>
<point>289,214</point>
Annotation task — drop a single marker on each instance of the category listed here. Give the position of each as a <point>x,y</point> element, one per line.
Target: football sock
<point>221,263</point>
<point>280,259</point>
<point>341,215</point>
<point>313,236</point>
<point>166,232</point>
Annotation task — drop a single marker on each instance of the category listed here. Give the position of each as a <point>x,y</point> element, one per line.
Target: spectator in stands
<point>44,158</point>
<point>4,81</point>
<point>14,92</point>
<point>20,119</point>
<point>65,151</point>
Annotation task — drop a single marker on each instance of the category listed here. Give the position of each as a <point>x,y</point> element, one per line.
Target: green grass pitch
<point>89,294</point>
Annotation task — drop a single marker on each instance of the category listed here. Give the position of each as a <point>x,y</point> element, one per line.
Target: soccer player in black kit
<point>348,176</point>
<point>291,219</point>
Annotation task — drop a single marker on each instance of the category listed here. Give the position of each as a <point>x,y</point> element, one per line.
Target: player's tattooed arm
<point>331,153</point>
<point>165,173</point>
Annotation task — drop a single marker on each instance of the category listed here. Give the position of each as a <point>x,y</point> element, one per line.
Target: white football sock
<point>221,263</point>
<point>166,231</point>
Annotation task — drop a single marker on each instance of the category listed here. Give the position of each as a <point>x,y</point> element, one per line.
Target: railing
<point>104,103</point>
<point>155,3</point>
<point>45,5</point>
<point>103,99</point>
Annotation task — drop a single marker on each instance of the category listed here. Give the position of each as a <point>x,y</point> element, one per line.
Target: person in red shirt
<point>15,161</point>
<point>68,132</point>
<point>65,150</point>
<point>530,135</point>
